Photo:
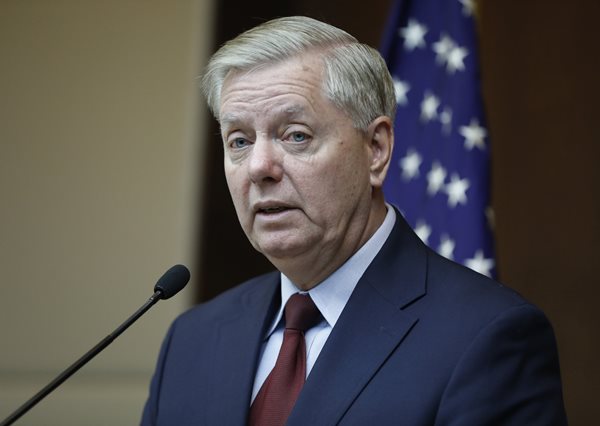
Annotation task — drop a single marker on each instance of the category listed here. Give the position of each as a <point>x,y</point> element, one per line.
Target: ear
<point>381,143</point>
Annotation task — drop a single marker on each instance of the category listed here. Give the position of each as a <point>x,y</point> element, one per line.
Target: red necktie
<point>277,396</point>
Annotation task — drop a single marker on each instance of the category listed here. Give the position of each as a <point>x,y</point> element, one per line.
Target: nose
<point>265,161</point>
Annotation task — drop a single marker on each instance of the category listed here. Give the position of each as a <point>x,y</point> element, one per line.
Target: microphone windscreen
<point>173,281</point>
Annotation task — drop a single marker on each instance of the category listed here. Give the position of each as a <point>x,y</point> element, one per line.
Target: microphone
<point>171,283</point>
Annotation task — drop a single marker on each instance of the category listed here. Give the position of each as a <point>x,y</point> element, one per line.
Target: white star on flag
<point>457,190</point>
<point>423,231</point>
<point>479,263</point>
<point>435,178</point>
<point>429,107</point>
<point>474,135</point>
<point>446,247</point>
<point>401,88</point>
<point>449,53</point>
<point>442,48</point>
<point>456,58</point>
<point>410,164</point>
<point>468,7</point>
<point>413,34</point>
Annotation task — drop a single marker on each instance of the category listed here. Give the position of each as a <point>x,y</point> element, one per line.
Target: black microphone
<point>173,281</point>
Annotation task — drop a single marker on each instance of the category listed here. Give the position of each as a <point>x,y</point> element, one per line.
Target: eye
<point>298,137</point>
<point>238,143</point>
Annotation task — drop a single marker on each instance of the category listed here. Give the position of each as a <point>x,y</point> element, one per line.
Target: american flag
<point>439,176</point>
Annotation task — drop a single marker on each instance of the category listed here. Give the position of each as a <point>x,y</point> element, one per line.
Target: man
<point>400,335</point>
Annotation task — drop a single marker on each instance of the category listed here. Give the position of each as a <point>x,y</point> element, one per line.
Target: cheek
<point>349,174</point>
<point>333,190</point>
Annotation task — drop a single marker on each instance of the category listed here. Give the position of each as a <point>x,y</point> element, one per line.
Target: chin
<point>281,249</point>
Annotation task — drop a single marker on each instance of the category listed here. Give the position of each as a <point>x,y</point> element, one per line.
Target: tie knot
<point>301,313</point>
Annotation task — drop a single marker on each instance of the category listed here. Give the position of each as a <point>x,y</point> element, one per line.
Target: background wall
<point>98,184</point>
<point>541,88</point>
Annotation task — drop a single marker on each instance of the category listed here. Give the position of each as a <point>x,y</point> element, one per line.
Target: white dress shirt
<point>330,296</point>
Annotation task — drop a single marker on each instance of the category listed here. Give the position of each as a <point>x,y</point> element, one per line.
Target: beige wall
<point>98,182</point>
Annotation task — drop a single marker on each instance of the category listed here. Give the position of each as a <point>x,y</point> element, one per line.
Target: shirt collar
<point>332,294</point>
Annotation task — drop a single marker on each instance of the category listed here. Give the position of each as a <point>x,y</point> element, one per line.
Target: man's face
<point>297,169</point>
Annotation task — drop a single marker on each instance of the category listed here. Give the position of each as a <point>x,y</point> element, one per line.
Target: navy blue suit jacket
<point>422,341</point>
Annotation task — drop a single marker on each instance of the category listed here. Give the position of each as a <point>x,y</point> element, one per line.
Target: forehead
<point>291,86</point>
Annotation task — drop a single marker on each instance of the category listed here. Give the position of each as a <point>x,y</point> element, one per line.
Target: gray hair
<point>356,77</point>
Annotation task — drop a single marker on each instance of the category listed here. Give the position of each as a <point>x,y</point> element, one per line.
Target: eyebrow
<point>293,110</point>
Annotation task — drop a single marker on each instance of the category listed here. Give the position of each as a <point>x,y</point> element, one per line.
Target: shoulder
<point>467,286</point>
<point>462,295</point>
<point>462,306</point>
<point>418,278</point>
<point>503,351</point>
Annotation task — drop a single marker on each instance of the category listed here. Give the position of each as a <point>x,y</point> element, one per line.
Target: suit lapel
<point>237,347</point>
<point>370,328</point>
